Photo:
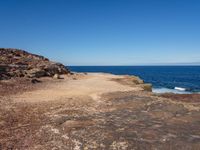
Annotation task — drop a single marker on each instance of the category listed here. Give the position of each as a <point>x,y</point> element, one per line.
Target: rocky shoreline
<point>89,111</point>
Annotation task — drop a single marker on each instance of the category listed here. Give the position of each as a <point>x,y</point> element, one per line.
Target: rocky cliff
<point>19,63</point>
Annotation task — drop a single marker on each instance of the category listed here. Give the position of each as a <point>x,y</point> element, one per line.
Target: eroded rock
<point>19,63</point>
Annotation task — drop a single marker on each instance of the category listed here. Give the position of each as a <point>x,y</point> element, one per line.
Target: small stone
<point>56,76</point>
<point>35,81</point>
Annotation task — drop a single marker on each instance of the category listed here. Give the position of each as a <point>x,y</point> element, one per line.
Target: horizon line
<point>197,65</point>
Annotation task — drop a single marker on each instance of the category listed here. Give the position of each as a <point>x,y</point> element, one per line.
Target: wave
<point>180,88</point>
<point>176,90</point>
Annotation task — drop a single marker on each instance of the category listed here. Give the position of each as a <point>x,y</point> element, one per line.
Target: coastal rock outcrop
<point>19,63</point>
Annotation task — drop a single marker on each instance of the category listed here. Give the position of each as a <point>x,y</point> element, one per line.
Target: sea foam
<point>167,90</point>
<point>180,89</point>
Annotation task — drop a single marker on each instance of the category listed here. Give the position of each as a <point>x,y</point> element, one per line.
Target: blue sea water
<point>176,79</point>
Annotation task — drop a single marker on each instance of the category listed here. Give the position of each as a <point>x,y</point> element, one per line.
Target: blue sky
<point>104,32</point>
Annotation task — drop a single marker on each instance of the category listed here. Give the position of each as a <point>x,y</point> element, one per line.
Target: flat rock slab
<point>97,111</point>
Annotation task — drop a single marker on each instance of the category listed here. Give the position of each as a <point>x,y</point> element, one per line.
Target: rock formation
<point>19,63</point>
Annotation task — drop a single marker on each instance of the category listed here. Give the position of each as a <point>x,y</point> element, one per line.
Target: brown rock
<point>136,80</point>
<point>147,87</point>
<point>36,73</point>
<point>19,63</point>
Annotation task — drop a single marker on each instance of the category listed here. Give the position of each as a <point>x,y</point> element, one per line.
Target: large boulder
<point>19,63</point>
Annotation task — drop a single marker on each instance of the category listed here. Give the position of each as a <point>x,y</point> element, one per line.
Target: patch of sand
<point>91,86</point>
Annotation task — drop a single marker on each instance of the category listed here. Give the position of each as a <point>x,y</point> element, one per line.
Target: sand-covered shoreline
<point>96,111</point>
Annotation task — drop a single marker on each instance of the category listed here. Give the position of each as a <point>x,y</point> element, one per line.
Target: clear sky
<point>104,32</point>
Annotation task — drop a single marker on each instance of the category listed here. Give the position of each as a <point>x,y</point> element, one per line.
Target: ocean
<point>175,79</point>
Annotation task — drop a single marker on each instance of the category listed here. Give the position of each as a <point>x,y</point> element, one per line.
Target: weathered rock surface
<point>19,63</point>
<point>134,81</point>
<point>101,112</point>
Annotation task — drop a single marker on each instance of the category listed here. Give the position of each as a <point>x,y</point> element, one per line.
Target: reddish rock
<point>19,63</point>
